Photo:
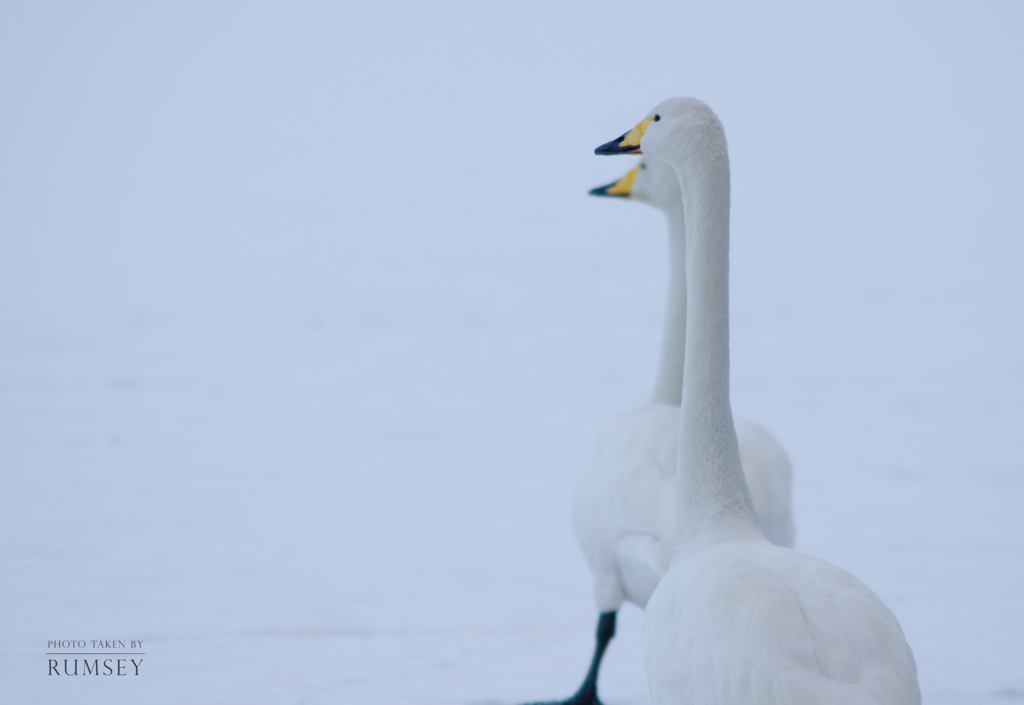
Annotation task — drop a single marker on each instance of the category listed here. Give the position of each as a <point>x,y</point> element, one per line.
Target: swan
<point>737,619</point>
<point>624,507</point>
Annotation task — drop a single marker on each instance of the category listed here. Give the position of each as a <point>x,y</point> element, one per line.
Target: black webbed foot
<point>580,698</point>
<point>587,694</point>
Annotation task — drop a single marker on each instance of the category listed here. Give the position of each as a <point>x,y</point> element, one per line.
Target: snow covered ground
<point>307,327</point>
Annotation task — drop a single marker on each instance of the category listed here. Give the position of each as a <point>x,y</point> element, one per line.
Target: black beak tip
<point>609,148</point>
<point>603,191</point>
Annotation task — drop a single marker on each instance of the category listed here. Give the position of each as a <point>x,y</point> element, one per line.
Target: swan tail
<point>643,560</point>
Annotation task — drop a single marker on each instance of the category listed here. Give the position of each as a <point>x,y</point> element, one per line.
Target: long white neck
<point>668,388</point>
<point>712,499</point>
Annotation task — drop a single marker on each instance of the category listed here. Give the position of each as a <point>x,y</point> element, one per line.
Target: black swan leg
<point>587,694</point>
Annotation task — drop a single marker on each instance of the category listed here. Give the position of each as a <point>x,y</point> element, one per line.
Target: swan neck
<point>668,387</point>
<point>713,501</point>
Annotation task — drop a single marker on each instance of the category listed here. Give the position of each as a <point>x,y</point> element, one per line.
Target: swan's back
<point>749,622</point>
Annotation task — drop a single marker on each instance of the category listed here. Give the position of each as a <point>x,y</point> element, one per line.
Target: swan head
<point>675,127</point>
<point>651,182</point>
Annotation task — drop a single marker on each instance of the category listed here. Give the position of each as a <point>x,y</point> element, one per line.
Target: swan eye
<point>657,117</point>
<point>643,166</point>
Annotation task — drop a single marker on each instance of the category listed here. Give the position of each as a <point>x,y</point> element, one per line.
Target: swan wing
<point>624,501</point>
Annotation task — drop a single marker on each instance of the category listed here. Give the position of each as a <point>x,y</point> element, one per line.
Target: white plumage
<point>624,511</point>
<point>736,619</point>
<point>748,622</point>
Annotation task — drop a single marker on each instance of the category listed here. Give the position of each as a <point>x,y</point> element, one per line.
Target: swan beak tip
<point>615,147</point>
<point>629,143</point>
<point>622,188</point>
<point>603,191</point>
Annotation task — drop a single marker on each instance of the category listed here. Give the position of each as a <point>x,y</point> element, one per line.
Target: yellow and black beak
<point>620,188</point>
<point>629,143</point>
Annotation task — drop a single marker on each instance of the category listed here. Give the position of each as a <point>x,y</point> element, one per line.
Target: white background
<point>307,326</point>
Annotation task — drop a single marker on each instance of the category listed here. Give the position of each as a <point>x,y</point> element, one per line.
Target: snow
<point>309,325</point>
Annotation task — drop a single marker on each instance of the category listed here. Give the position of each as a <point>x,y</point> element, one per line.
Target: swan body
<point>745,621</point>
<point>624,509</point>
<point>736,619</point>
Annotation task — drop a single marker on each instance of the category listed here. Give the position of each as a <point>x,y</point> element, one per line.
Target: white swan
<point>737,619</point>
<point>624,508</point>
